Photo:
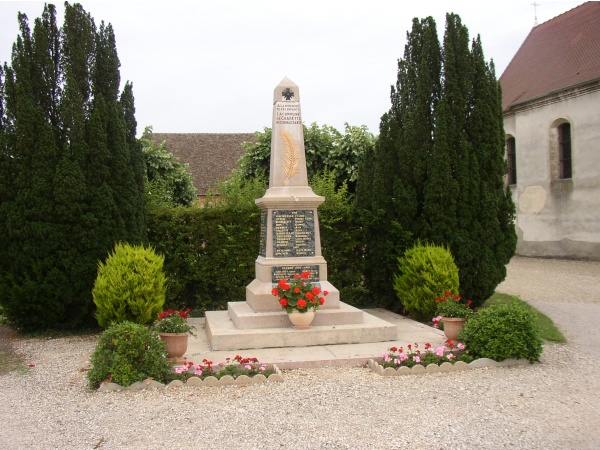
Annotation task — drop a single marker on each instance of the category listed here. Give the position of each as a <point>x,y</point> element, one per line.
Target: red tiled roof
<point>210,156</point>
<point>557,54</point>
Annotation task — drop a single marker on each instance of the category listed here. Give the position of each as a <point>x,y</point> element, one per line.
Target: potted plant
<point>300,299</point>
<point>453,313</point>
<point>174,331</point>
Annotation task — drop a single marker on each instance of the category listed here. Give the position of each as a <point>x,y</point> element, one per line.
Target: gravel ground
<point>552,405</point>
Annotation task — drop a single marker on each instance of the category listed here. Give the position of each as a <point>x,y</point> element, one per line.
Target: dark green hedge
<point>210,253</point>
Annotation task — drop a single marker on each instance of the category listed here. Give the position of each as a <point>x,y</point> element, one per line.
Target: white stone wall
<point>557,218</point>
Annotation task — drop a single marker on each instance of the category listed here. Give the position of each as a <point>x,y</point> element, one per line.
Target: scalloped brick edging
<point>227,380</point>
<point>444,367</point>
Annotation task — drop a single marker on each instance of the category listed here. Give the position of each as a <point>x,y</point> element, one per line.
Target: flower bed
<point>196,381</point>
<point>236,371</point>
<point>445,358</point>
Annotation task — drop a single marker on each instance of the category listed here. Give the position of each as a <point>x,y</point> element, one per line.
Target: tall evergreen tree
<point>136,164</point>
<point>440,156</point>
<point>391,185</point>
<point>60,203</point>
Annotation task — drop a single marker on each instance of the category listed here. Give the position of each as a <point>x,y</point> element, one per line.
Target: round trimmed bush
<point>426,271</point>
<point>128,352</point>
<point>503,331</point>
<point>130,286</point>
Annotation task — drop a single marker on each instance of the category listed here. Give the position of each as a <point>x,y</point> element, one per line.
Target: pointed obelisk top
<point>286,91</point>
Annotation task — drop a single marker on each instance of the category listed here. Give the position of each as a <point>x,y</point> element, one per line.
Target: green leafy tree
<point>326,150</point>
<point>66,198</point>
<point>168,182</point>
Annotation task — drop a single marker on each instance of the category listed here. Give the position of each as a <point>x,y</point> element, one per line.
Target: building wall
<point>557,218</point>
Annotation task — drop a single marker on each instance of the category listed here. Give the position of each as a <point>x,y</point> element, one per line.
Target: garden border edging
<point>227,380</point>
<point>444,367</point>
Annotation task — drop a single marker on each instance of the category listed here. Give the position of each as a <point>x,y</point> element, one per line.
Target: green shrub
<point>130,286</point>
<point>426,272</point>
<point>128,352</point>
<point>503,331</point>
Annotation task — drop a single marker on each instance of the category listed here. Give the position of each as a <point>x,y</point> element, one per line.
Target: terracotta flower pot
<point>301,321</point>
<point>176,344</point>
<point>452,327</point>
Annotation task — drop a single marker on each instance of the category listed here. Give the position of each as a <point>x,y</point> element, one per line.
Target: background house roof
<point>211,156</point>
<point>560,53</point>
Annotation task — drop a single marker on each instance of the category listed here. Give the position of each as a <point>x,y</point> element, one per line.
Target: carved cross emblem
<point>287,94</point>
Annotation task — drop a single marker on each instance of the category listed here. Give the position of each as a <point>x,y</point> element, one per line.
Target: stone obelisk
<point>290,238</point>
<point>290,243</point>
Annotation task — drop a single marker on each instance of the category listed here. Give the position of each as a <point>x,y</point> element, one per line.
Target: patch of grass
<point>548,330</point>
<point>9,360</point>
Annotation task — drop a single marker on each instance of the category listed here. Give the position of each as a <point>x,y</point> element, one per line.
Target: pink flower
<point>440,350</point>
<point>461,346</point>
<point>387,358</point>
<point>403,356</point>
<point>262,368</point>
<point>450,356</point>
<point>248,367</point>
<point>198,372</point>
<point>397,362</point>
<point>416,359</point>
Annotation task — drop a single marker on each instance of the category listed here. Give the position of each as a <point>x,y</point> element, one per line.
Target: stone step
<point>224,335</point>
<point>244,317</point>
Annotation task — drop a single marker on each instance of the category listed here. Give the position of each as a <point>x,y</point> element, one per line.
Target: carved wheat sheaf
<point>291,157</point>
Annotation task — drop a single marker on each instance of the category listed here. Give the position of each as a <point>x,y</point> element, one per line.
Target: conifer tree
<point>60,199</point>
<point>440,156</point>
<point>391,188</point>
<point>136,164</point>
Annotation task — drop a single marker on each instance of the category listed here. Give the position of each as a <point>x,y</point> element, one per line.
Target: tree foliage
<point>438,166</point>
<point>168,182</point>
<point>69,187</point>
<point>326,150</point>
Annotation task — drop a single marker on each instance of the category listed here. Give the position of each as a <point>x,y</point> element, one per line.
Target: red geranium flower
<point>305,275</point>
<point>301,303</point>
<point>275,292</point>
<point>283,302</point>
<point>316,290</point>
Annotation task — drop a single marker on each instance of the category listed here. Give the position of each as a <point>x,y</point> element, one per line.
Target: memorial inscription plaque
<point>293,233</point>
<point>287,273</point>
<point>287,114</point>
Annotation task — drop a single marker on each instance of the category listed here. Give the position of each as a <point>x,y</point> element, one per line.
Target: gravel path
<point>552,405</point>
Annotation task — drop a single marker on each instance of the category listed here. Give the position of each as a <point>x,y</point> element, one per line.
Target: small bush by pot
<point>426,272</point>
<point>130,286</point>
<point>503,331</point>
<point>128,352</point>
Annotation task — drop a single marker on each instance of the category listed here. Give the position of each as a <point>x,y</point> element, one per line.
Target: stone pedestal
<point>290,243</point>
